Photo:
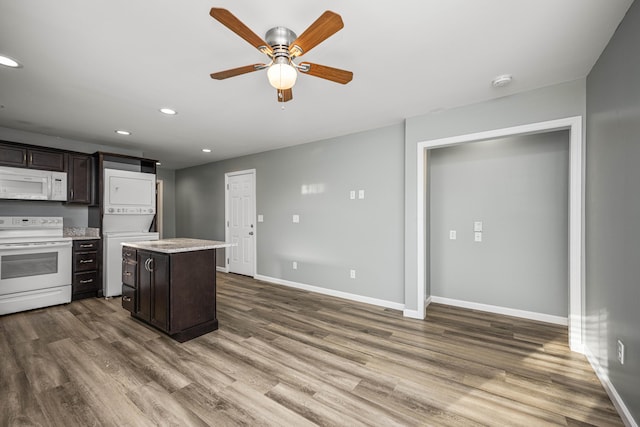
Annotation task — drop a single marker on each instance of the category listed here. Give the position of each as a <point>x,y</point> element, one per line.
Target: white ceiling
<point>93,66</point>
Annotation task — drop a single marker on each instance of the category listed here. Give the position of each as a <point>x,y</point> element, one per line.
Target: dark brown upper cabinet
<point>33,158</point>
<point>79,178</point>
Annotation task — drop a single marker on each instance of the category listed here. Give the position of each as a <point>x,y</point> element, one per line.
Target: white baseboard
<point>603,376</point>
<point>331,292</point>
<point>222,269</point>
<point>541,317</point>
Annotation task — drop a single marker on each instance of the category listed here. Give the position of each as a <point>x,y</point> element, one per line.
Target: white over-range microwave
<point>31,184</point>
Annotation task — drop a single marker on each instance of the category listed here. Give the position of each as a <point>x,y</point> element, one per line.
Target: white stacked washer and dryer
<point>129,206</point>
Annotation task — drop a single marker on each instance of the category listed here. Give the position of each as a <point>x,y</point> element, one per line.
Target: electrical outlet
<point>295,265</point>
<point>296,219</point>
<point>352,274</point>
<point>620,352</point>
<point>360,194</point>
<point>477,237</point>
<point>452,235</point>
<point>260,218</point>
<point>352,194</point>
<point>477,226</point>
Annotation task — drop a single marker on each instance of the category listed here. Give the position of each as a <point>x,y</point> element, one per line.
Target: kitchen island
<point>171,285</point>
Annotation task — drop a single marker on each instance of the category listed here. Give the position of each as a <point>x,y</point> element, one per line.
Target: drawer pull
<point>87,245</point>
<point>86,281</point>
<point>126,298</point>
<point>127,273</point>
<point>85,261</point>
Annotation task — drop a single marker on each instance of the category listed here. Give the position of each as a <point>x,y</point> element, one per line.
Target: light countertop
<point>172,246</point>
<point>81,233</point>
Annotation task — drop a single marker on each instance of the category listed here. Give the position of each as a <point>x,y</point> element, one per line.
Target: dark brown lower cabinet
<point>87,270</point>
<point>174,292</point>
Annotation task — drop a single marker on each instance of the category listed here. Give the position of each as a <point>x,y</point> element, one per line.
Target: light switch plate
<point>295,265</point>
<point>296,219</point>
<point>452,235</point>
<point>260,218</point>
<point>360,194</point>
<point>477,237</point>
<point>477,226</point>
<point>352,274</point>
<point>352,194</point>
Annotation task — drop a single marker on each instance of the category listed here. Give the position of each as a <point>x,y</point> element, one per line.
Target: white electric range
<point>35,263</point>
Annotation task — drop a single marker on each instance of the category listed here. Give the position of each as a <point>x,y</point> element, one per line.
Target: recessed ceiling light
<point>206,150</point>
<point>168,111</point>
<point>123,132</point>
<point>502,80</point>
<point>9,62</point>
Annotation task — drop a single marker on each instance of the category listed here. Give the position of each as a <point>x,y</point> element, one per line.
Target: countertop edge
<point>153,246</point>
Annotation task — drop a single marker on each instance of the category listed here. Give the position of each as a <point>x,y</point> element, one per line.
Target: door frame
<point>160,208</point>
<point>576,213</point>
<point>227,175</point>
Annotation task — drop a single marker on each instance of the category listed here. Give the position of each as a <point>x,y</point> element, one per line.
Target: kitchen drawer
<point>85,245</point>
<point>129,254</point>
<point>129,273</point>
<point>85,261</point>
<point>85,282</point>
<point>128,298</point>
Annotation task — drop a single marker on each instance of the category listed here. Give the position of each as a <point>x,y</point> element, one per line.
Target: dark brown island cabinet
<point>171,285</point>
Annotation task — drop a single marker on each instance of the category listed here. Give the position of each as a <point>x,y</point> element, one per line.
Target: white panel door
<point>241,226</point>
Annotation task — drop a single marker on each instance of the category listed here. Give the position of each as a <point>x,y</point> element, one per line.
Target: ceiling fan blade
<point>229,20</point>
<point>221,75</point>
<point>285,95</point>
<point>324,27</point>
<point>334,74</point>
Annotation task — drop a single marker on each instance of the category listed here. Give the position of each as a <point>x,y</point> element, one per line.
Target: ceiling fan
<point>282,46</point>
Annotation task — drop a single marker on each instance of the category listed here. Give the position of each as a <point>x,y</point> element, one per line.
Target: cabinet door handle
<point>127,254</point>
<point>126,298</point>
<point>85,261</point>
<point>72,193</point>
<point>86,281</point>
<point>127,273</point>
<point>150,265</point>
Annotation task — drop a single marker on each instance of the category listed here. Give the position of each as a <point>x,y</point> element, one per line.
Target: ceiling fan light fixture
<point>282,75</point>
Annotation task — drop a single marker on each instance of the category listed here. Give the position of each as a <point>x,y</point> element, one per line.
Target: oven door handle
<point>32,246</point>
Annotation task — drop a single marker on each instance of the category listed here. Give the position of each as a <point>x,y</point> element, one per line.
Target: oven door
<point>32,266</point>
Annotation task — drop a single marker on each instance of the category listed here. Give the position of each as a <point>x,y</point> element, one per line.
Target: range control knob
<point>111,210</point>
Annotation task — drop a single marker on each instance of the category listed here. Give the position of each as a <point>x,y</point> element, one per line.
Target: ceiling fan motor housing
<point>280,38</point>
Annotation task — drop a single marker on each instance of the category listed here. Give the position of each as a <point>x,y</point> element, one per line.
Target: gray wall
<point>335,234</point>
<point>518,188</point>
<point>553,102</point>
<point>613,209</point>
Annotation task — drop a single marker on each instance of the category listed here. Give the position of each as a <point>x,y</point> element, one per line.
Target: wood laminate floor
<point>285,357</point>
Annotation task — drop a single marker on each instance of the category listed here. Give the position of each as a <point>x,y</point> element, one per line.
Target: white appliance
<point>112,277</point>
<point>129,201</point>
<point>32,184</point>
<point>128,211</point>
<point>35,263</point>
